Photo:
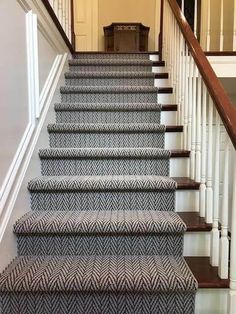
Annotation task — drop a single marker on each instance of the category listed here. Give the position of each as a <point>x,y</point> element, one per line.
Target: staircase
<point>103,235</point>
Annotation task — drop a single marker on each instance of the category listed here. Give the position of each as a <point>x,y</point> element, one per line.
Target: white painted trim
<point>35,63</point>
<point>32,99</point>
<point>47,86</point>
<point>157,23</point>
<point>13,169</point>
<point>28,150</point>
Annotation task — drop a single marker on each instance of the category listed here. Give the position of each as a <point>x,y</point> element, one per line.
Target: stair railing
<point>62,14</point>
<point>215,38</point>
<point>209,120</point>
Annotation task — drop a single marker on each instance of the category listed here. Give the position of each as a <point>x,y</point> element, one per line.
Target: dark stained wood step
<point>194,222</point>
<point>185,183</point>
<point>174,128</point>
<point>158,63</point>
<point>169,108</point>
<point>161,75</point>
<point>165,90</point>
<point>206,275</point>
<point>178,153</point>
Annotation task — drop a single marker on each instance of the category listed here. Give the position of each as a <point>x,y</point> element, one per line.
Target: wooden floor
<point>206,275</point>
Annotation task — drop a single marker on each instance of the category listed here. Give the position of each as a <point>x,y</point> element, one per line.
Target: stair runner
<point>102,236</point>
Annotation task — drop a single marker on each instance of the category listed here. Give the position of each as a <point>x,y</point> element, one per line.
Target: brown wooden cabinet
<point>126,37</point>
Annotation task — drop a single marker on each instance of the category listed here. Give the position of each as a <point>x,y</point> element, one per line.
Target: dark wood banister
<point>53,16</point>
<point>222,102</point>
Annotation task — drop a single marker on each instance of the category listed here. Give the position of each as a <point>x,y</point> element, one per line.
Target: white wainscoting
<point>37,21</point>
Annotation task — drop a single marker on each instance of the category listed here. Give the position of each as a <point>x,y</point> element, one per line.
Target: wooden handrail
<point>59,27</point>
<point>220,98</point>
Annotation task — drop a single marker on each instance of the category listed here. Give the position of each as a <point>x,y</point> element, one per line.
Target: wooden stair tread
<point>177,153</point>
<point>169,107</point>
<point>174,128</point>
<point>194,222</point>
<point>161,75</point>
<point>206,275</point>
<point>185,183</point>
<point>158,63</point>
<point>165,90</point>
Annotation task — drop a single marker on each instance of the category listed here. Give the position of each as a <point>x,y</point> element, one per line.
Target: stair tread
<point>205,274</point>
<point>110,89</point>
<point>113,127</point>
<point>194,222</point>
<point>97,61</point>
<point>185,183</point>
<point>109,74</point>
<point>107,107</point>
<point>145,152</point>
<point>116,152</point>
<point>144,274</point>
<point>101,183</point>
<point>100,222</point>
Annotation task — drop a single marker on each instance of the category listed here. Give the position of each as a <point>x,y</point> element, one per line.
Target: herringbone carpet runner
<point>103,236</point>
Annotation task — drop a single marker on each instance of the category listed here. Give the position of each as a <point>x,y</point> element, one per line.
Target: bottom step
<point>98,284</point>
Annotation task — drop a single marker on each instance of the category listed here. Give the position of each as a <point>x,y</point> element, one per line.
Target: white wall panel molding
<point>28,143</point>
<point>33,106</point>
<point>48,84</point>
<point>45,23</point>
<point>49,28</point>
<point>224,66</point>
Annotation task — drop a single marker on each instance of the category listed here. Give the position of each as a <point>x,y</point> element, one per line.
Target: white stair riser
<point>154,57</point>
<point>161,83</point>
<point>197,243</point>
<point>211,301</point>
<point>187,200</point>
<point>169,117</point>
<point>173,140</point>
<point>159,69</point>
<point>165,99</point>
<point>178,167</point>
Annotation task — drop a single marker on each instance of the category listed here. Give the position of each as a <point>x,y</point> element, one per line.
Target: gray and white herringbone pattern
<point>102,235</point>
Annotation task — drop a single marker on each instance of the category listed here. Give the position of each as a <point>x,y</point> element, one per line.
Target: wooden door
<point>86,25</point>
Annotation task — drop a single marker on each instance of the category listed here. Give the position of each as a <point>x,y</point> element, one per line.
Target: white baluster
<point>195,17</point>
<point>208,40</point>
<point>190,98</point>
<point>182,6</point>
<point>180,78</point>
<point>60,11</point>
<point>232,295</point>
<point>203,156</point>
<point>186,103</point>
<point>198,130</point>
<point>193,126</point>
<point>51,3</point>
<point>69,21</point>
<point>64,14</point>
<point>215,234</point>
<point>183,61</point>
<point>209,191</point>
<point>234,30</point>
<point>55,7</point>
<point>224,241</point>
<point>66,18</point>
<point>222,25</point>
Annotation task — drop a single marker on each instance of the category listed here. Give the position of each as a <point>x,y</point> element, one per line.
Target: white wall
<point>32,57</point>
